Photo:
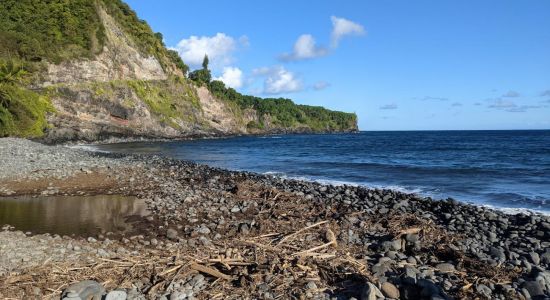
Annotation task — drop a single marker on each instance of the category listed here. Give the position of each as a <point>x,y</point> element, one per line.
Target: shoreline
<point>243,234</point>
<point>93,147</point>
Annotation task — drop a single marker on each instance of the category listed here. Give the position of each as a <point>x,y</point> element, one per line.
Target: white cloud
<point>232,77</point>
<point>342,27</point>
<point>456,104</point>
<point>219,49</point>
<point>320,85</point>
<point>278,80</point>
<point>304,48</point>
<point>389,106</point>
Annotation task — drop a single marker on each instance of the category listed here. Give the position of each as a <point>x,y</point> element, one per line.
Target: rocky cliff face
<point>119,60</point>
<point>121,91</point>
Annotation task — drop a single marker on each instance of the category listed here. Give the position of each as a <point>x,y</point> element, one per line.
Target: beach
<point>211,233</point>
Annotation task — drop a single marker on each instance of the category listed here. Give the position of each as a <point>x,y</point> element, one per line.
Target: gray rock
<point>370,292</point>
<point>88,290</point>
<point>178,295</point>
<point>534,288</point>
<point>392,245</point>
<point>445,267</point>
<point>311,285</point>
<point>171,234</point>
<point>497,253</point>
<point>116,295</point>
<point>484,290</point>
<point>411,238</point>
<point>535,258</point>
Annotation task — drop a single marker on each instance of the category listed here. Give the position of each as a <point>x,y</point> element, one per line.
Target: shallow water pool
<point>68,215</point>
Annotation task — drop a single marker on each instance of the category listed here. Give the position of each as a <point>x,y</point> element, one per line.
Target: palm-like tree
<point>10,73</point>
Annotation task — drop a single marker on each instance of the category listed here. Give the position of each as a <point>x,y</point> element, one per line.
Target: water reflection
<point>66,215</point>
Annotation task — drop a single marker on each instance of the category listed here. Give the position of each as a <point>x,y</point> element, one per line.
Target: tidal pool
<point>68,215</point>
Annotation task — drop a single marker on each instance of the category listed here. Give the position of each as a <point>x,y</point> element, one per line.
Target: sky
<point>399,65</point>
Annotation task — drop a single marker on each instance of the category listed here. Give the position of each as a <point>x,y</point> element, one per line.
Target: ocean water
<point>509,170</point>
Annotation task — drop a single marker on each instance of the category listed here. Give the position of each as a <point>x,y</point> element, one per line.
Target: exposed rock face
<point>218,114</point>
<point>119,60</point>
<point>123,93</point>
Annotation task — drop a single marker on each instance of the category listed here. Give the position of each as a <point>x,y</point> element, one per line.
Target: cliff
<point>89,70</point>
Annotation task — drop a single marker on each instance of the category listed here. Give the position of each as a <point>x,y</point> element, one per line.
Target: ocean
<point>508,170</point>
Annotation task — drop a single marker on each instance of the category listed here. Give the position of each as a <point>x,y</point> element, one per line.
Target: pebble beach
<point>217,234</point>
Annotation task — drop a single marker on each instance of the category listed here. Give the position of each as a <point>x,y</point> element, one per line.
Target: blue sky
<point>400,65</point>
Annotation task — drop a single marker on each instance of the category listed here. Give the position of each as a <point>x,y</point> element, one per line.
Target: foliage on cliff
<point>285,113</point>
<point>170,100</point>
<point>60,30</point>
<point>22,112</point>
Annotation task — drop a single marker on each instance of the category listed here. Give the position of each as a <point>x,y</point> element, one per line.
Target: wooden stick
<point>300,231</point>
<point>313,249</point>
<point>210,271</point>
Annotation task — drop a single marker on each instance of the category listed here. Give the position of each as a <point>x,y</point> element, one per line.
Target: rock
<point>497,253</point>
<point>484,290</point>
<point>535,258</point>
<point>311,285</point>
<point>172,234</point>
<point>178,295</point>
<point>370,292</point>
<point>546,257</point>
<point>389,290</point>
<point>411,238</point>
<point>429,288</point>
<point>391,245</point>
<point>116,295</point>
<point>85,290</point>
<point>534,288</point>
<point>445,267</point>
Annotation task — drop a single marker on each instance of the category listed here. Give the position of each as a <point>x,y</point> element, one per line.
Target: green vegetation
<point>169,100</point>
<point>54,30</point>
<point>22,112</point>
<point>282,112</point>
<point>202,76</point>
<point>60,30</point>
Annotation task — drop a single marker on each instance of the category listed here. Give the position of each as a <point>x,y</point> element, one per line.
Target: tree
<point>205,62</point>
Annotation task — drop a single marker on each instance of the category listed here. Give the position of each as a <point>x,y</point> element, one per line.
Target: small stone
<point>370,292</point>
<point>172,234</point>
<point>484,290</point>
<point>535,258</point>
<point>390,291</point>
<point>87,289</point>
<point>445,267</point>
<point>311,285</point>
<point>412,238</point>
<point>116,295</point>
<point>178,295</point>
